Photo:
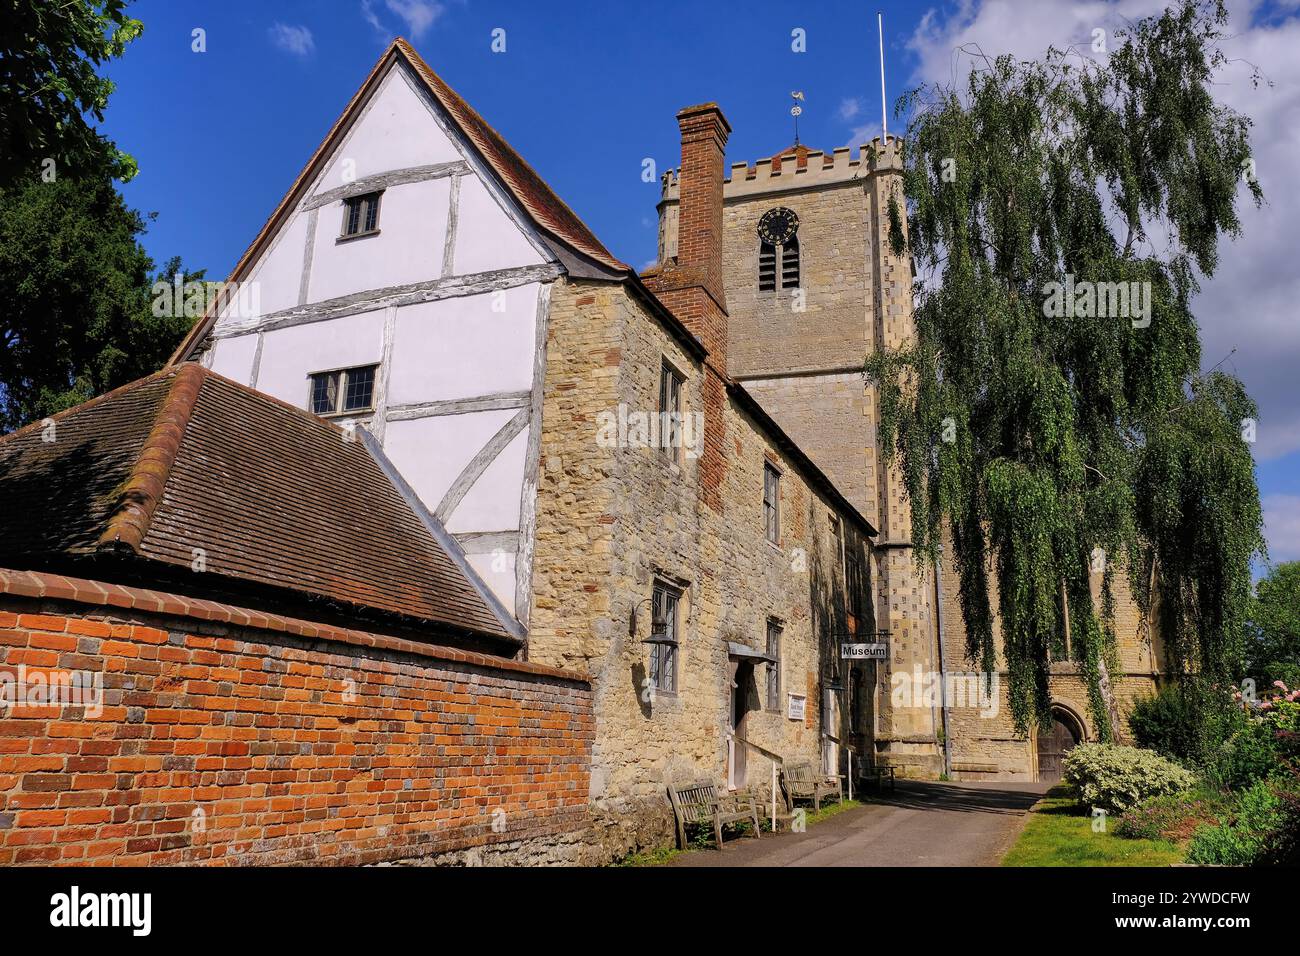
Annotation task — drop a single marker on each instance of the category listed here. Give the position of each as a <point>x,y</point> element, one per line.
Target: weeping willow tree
<point>1051,415</point>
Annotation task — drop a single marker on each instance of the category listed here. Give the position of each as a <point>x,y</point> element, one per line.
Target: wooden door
<point>1054,742</point>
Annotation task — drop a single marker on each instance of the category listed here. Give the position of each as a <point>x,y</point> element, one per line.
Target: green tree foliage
<point>1273,650</point>
<point>49,55</point>
<point>1080,427</point>
<point>75,311</point>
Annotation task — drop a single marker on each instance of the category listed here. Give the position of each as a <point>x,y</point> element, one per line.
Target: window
<point>663,628</point>
<point>856,590</point>
<point>778,250</point>
<point>856,697</point>
<point>774,666</point>
<point>360,215</point>
<point>670,412</point>
<point>768,255</point>
<point>1061,650</point>
<point>343,390</point>
<point>790,263</point>
<point>766,267</point>
<point>772,502</point>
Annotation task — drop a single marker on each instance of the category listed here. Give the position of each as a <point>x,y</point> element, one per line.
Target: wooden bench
<point>801,782</point>
<point>700,803</point>
<point>878,776</point>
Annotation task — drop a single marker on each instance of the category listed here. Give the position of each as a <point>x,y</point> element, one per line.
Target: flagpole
<point>884,122</point>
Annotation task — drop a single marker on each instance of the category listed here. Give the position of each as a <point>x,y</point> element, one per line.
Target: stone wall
<point>613,520</point>
<point>986,745</point>
<point>803,358</point>
<point>219,742</point>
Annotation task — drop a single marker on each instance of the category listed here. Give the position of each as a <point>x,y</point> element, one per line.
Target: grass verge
<point>1058,833</point>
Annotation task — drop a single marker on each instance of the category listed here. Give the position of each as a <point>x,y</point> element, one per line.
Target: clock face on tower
<point>777,226</point>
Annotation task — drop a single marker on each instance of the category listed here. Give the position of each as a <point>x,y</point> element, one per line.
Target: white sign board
<point>798,706</point>
<point>864,652</point>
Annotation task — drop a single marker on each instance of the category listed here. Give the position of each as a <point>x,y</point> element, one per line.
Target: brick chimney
<point>692,287</point>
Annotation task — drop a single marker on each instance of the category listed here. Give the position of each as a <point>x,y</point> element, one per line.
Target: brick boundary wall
<point>231,737</point>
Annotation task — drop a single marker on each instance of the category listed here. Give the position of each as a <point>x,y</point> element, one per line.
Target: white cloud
<point>295,40</point>
<point>368,12</point>
<point>863,134</point>
<point>417,15</point>
<point>1282,524</point>
<point>1250,302</point>
<point>850,107</point>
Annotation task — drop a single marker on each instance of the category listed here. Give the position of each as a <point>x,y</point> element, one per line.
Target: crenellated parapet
<point>801,168</point>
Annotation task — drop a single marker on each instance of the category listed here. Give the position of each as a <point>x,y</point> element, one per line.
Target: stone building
<point>574,427</point>
<point>659,492</point>
<point>807,302</point>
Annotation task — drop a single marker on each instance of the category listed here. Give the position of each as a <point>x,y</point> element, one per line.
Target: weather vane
<point>797,96</point>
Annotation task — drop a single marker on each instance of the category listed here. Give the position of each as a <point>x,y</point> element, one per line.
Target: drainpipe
<point>943,673</point>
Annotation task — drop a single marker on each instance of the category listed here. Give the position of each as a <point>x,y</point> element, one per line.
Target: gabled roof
<point>547,211</point>
<point>271,496</point>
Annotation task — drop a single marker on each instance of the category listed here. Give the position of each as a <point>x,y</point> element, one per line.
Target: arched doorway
<point>1055,740</point>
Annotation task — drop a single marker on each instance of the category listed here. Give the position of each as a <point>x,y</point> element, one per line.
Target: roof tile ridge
<point>139,495</point>
<point>58,416</point>
<point>439,87</point>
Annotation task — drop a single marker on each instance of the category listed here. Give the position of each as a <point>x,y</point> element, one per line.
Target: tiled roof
<point>272,495</point>
<point>547,209</point>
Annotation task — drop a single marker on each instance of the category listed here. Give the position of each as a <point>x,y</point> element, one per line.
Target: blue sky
<point>586,91</point>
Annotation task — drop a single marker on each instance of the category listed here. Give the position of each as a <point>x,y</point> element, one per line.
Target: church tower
<point>812,288</point>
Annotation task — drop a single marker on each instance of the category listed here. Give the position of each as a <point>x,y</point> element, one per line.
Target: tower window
<point>778,250</point>
<point>766,267</point>
<point>790,263</point>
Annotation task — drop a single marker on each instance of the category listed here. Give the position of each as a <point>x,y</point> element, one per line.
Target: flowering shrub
<point>1248,834</point>
<point>1117,778</point>
<point>1171,816</point>
<point>1265,743</point>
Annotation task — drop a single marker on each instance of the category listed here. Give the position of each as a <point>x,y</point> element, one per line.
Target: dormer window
<point>360,216</point>
<point>778,250</point>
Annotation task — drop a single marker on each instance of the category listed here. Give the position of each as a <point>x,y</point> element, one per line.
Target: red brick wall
<point>222,744</point>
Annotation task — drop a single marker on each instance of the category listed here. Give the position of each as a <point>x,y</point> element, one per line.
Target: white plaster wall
<point>459,347</point>
<point>432,452</point>
<point>409,246</point>
<point>290,355</point>
<point>443,350</point>
<point>233,357</point>
<point>396,132</point>
<point>276,276</point>
<point>493,503</point>
<point>486,239</point>
<point>497,572</point>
